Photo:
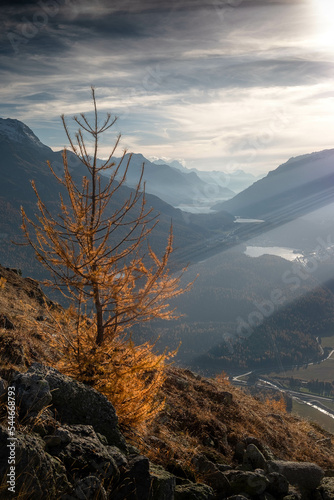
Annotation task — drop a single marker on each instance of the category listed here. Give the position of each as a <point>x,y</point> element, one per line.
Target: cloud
<point>187,81</point>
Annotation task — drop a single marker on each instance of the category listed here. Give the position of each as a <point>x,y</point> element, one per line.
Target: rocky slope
<point>212,441</point>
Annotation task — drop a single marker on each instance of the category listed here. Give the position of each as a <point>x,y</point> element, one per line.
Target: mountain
<point>177,187</point>
<point>232,182</point>
<point>23,158</point>
<point>297,187</point>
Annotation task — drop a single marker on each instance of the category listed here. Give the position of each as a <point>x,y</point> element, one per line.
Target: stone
<point>32,393</point>
<point>52,441</point>
<point>86,456</point>
<point>246,482</point>
<point>64,435</point>
<point>253,458</point>
<point>213,476</point>
<point>36,473</point>
<point>193,491</point>
<point>304,475</point>
<point>118,457</point>
<point>135,482</point>
<point>90,487</point>
<point>239,451</point>
<point>326,489</point>
<point>162,483</point>
<point>76,403</point>
<point>278,484</point>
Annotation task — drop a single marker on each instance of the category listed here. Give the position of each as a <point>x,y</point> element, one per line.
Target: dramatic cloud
<point>206,84</point>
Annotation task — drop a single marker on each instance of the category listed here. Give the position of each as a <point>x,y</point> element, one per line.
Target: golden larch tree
<point>99,256</point>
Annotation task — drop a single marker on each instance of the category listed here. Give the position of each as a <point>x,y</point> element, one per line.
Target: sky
<point>217,84</point>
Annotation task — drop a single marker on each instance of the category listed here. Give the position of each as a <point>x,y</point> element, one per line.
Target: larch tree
<point>98,255</point>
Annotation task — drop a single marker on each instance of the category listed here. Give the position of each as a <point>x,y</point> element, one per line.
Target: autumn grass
<point>210,416</point>
<point>197,415</point>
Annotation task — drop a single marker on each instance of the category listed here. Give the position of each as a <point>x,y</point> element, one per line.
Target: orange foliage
<point>95,254</point>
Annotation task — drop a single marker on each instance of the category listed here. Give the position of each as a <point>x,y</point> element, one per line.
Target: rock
<point>64,435</point>
<point>278,484</point>
<point>193,491</point>
<point>118,457</point>
<point>305,475</point>
<point>253,458</point>
<point>326,489</point>
<point>267,453</point>
<point>213,476</point>
<point>246,482</point>
<point>37,474</point>
<point>293,494</point>
<point>90,487</point>
<point>162,484</point>
<point>85,456</point>
<point>239,451</point>
<point>180,383</point>
<point>77,403</point>
<point>227,397</point>
<point>32,393</point>
<point>52,441</point>
<point>135,482</point>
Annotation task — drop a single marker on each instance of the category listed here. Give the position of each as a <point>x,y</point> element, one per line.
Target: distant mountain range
<point>297,187</point>
<point>233,181</point>
<point>175,186</point>
<point>24,158</point>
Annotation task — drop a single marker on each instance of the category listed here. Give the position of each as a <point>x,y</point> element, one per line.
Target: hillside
<point>209,431</point>
<point>297,187</point>
<point>243,313</point>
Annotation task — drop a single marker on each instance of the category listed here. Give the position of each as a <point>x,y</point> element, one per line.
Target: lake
<point>285,253</point>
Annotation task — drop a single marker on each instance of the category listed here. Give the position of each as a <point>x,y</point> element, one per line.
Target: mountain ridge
<point>298,186</point>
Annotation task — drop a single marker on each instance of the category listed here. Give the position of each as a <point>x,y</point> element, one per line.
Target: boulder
<point>246,482</point>
<point>37,474</point>
<point>278,484</point>
<point>304,475</point>
<point>326,489</point>
<point>193,491</point>
<point>84,455</point>
<point>32,393</point>
<point>213,476</point>
<point>253,458</point>
<point>162,483</point>
<point>88,488</point>
<point>76,403</point>
<point>135,482</point>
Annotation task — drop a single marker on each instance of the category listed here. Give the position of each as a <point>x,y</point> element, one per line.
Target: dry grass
<point>200,415</point>
<point>130,376</point>
<point>211,416</point>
